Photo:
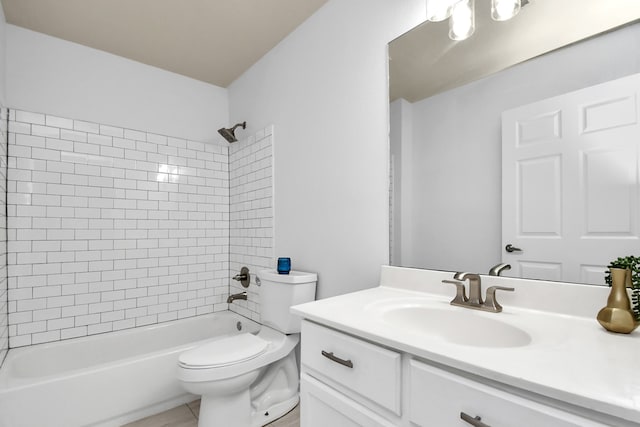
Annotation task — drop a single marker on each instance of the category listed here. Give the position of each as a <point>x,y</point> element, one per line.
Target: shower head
<point>229,134</point>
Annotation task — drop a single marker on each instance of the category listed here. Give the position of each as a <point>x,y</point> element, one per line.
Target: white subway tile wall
<point>251,214</point>
<point>4,317</point>
<point>111,228</point>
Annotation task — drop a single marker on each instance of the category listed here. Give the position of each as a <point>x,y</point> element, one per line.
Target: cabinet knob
<point>474,421</point>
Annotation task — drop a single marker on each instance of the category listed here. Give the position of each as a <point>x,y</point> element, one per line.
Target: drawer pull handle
<point>474,421</point>
<point>343,362</point>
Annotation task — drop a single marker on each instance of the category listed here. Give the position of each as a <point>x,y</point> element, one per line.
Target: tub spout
<point>233,297</point>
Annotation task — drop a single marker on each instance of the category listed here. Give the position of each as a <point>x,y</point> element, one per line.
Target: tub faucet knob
<point>244,277</point>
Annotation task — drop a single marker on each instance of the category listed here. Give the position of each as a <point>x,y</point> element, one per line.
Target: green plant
<point>633,264</point>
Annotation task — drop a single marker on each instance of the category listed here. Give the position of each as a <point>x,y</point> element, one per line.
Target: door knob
<point>510,248</point>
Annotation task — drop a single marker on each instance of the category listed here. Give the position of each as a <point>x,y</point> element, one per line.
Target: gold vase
<point>617,316</point>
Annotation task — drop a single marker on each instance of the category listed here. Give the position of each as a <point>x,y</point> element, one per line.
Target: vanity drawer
<point>438,397</point>
<point>371,371</point>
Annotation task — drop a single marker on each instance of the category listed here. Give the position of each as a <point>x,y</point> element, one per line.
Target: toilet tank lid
<point>293,277</point>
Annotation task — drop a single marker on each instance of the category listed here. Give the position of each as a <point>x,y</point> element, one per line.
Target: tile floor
<point>187,416</point>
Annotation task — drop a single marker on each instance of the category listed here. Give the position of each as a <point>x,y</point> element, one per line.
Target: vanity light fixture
<point>503,10</point>
<point>462,23</point>
<point>461,14</point>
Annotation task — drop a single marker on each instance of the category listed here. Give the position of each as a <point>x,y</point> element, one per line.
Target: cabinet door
<point>322,406</point>
<point>437,398</point>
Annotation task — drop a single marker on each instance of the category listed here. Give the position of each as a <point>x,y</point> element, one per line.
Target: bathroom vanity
<point>401,355</point>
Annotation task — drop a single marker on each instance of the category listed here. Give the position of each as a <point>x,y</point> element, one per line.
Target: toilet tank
<point>278,292</point>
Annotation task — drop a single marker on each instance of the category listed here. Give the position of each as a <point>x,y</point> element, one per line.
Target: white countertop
<point>570,358</point>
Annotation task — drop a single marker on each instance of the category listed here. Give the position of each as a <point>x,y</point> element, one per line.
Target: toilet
<point>248,380</point>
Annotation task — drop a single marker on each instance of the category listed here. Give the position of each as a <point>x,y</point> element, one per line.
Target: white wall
<point>457,148</point>
<point>325,90</point>
<point>53,76</point>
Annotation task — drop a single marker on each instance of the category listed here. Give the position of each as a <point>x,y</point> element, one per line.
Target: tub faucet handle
<point>244,277</point>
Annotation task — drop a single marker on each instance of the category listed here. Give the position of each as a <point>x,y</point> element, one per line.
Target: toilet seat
<point>278,346</point>
<point>222,352</point>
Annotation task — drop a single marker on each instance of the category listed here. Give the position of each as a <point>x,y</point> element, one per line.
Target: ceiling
<point>424,61</point>
<point>214,41</point>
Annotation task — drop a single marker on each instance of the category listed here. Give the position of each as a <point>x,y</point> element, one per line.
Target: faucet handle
<point>461,295</point>
<point>490,300</point>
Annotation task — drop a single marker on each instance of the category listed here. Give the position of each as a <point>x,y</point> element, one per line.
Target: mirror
<point>447,99</point>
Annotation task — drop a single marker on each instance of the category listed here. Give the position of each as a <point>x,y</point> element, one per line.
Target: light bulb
<point>463,21</point>
<point>439,10</point>
<point>503,10</point>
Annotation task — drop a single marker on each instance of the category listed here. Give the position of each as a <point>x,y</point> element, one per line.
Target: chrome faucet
<point>233,297</point>
<point>497,269</point>
<point>475,293</point>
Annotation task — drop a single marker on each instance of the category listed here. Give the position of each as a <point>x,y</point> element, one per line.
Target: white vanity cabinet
<point>349,382</point>
<point>400,354</point>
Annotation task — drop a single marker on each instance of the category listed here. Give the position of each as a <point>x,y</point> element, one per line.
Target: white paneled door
<point>570,182</point>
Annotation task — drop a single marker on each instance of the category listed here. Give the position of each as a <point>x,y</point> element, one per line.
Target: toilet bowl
<point>249,380</point>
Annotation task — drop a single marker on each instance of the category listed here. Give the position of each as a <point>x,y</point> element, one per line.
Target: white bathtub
<point>104,380</point>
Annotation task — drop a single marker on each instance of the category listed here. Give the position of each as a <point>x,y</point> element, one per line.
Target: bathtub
<point>105,380</point>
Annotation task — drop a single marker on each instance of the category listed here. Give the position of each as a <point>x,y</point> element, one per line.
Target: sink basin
<point>456,325</point>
